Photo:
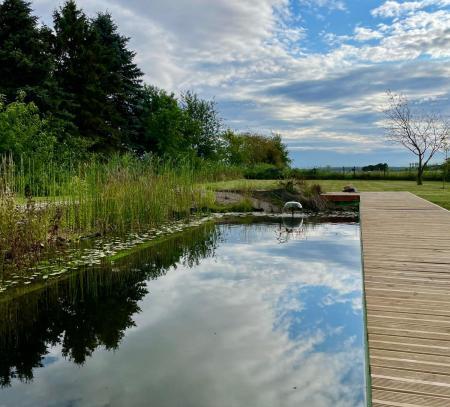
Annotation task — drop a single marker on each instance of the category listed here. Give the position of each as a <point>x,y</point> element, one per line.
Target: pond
<point>258,313</point>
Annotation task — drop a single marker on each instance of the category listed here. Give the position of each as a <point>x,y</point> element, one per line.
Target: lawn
<point>430,190</point>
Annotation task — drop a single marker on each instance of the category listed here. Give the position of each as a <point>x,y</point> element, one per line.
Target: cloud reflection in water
<point>258,324</point>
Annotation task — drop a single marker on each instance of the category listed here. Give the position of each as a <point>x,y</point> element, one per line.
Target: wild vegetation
<point>125,194</point>
<point>74,90</point>
<point>435,173</point>
<point>87,148</point>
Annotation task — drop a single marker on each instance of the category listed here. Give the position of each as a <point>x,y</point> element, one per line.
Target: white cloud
<point>175,357</point>
<point>421,33</point>
<point>238,51</point>
<point>391,8</point>
<point>174,38</point>
<point>366,34</point>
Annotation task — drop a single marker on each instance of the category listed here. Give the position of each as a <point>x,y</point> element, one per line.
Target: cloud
<point>261,60</point>
<point>174,38</point>
<point>391,9</point>
<point>237,329</point>
<point>349,86</point>
<point>366,34</point>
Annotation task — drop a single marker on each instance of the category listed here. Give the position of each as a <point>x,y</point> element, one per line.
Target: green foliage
<point>189,126</point>
<point>202,125</point>
<point>98,82</point>
<point>162,122</point>
<point>378,167</point>
<point>24,133</point>
<point>251,149</point>
<point>76,73</point>
<point>264,171</point>
<point>125,194</point>
<point>83,78</point>
<point>25,53</point>
<point>347,174</point>
<point>119,81</point>
<point>245,205</point>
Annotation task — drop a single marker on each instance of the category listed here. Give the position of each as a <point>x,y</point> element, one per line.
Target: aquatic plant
<point>124,194</point>
<point>103,300</point>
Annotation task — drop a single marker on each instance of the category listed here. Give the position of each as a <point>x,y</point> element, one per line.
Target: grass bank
<point>350,174</point>
<point>430,190</point>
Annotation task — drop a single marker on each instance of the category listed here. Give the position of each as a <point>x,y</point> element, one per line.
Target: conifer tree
<point>25,53</point>
<point>120,79</point>
<point>98,80</point>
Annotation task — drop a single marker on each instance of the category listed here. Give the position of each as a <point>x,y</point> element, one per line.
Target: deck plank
<point>406,253</point>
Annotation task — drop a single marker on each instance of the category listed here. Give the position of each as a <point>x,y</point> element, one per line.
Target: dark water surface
<point>236,315</point>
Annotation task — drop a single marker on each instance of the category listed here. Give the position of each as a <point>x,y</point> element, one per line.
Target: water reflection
<point>90,309</point>
<point>223,316</point>
<point>291,227</point>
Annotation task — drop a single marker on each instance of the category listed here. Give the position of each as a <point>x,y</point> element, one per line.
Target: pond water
<point>257,314</point>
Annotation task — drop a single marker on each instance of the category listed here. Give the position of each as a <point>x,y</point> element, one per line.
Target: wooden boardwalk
<point>406,254</point>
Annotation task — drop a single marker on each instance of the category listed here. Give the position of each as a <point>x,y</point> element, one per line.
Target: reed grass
<point>49,205</point>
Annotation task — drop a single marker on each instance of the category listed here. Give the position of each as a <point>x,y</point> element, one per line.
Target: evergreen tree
<point>25,53</point>
<point>99,82</point>
<point>78,75</point>
<point>120,78</point>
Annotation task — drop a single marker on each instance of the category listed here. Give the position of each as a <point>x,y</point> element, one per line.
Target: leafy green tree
<point>235,152</point>
<point>202,129</point>
<point>251,149</point>
<point>24,134</point>
<point>25,53</point>
<point>162,123</point>
<point>278,153</point>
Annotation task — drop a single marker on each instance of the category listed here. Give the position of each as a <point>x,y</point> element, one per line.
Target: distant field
<point>430,190</point>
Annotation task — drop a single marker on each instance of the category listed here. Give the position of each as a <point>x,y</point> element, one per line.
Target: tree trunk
<point>420,172</point>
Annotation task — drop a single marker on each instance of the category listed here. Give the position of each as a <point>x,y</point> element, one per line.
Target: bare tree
<point>422,133</point>
<point>446,165</point>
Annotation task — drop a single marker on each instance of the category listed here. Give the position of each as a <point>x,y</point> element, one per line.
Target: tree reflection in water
<point>91,308</point>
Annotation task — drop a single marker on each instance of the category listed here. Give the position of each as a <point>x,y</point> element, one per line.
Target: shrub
<point>264,171</point>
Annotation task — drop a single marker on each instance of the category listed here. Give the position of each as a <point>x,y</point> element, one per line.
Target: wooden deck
<point>341,196</point>
<point>406,254</point>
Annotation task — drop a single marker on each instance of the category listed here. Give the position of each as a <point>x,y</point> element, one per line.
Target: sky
<point>316,72</point>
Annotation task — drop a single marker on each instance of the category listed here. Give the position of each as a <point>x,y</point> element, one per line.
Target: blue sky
<point>314,71</point>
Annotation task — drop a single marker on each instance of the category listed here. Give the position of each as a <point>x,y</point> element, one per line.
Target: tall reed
<point>49,204</point>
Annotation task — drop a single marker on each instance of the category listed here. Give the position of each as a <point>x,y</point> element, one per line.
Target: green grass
<point>242,185</point>
<point>430,190</point>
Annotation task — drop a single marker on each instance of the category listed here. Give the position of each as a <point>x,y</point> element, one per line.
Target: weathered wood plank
<point>406,252</point>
